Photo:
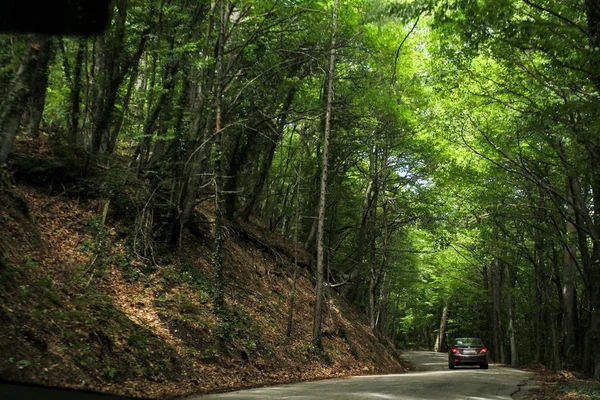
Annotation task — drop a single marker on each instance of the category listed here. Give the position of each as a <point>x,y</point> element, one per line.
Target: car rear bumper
<point>468,360</point>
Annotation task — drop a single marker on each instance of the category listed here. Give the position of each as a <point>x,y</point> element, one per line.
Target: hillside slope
<point>87,302</point>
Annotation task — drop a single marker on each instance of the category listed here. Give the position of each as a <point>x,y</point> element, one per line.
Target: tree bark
<point>439,342</point>
<point>318,315</point>
<point>202,136</point>
<point>18,94</point>
<point>75,94</point>
<point>496,286</point>
<point>112,77</point>
<point>135,63</point>
<point>217,261</point>
<point>292,300</point>
<point>350,291</point>
<point>38,89</point>
<point>373,237</point>
<point>514,355</point>
<point>540,281</point>
<point>593,272</point>
<point>164,100</point>
<point>268,157</point>
<point>569,295</point>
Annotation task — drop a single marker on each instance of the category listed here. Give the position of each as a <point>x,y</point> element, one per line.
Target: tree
<point>323,191</point>
<point>20,90</point>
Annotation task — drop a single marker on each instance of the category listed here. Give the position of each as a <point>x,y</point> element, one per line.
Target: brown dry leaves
<point>178,317</point>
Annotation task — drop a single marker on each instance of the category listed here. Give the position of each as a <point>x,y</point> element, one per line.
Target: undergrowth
<point>585,390</point>
<point>99,298</point>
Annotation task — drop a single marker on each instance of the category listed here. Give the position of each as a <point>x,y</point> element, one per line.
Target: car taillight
<point>484,350</point>
<point>454,350</point>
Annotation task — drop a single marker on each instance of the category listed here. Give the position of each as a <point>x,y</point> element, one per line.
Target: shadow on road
<point>431,380</point>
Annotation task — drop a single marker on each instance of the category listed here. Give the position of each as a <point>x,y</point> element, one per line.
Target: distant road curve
<point>432,380</point>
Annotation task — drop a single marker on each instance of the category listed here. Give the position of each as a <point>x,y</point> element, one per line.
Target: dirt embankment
<point>87,300</point>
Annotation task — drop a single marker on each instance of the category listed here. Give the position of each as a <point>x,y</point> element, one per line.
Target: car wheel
<point>451,365</point>
<point>484,366</point>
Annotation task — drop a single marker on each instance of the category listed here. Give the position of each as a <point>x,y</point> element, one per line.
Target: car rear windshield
<point>468,342</point>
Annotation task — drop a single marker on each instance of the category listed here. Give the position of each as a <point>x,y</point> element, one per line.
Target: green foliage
<point>110,373</point>
<point>20,364</point>
<point>208,353</point>
<point>8,272</point>
<point>581,389</point>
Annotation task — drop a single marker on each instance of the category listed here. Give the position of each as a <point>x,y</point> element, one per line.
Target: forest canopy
<point>438,159</point>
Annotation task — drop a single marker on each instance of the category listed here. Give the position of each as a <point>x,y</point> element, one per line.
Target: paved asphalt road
<point>432,380</point>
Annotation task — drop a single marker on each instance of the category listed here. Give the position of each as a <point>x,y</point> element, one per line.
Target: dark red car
<point>468,351</point>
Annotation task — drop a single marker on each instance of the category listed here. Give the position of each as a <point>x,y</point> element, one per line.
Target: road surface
<point>432,380</point>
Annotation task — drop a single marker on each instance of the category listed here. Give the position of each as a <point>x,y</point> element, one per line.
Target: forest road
<point>431,380</point>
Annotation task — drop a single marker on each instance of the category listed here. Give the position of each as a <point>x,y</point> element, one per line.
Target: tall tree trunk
<point>557,321</point>
<point>237,160</point>
<point>496,285</point>
<point>439,342</point>
<point>292,300</point>
<point>381,320</point>
<point>594,283</point>
<point>592,273</point>
<point>514,355</point>
<point>268,156</point>
<point>75,94</point>
<point>38,89</point>
<point>318,315</point>
<point>373,267</point>
<point>569,300</point>
<point>540,281</point>
<point>135,64</point>
<point>162,105</point>
<point>202,138</point>
<point>395,320</point>
<point>112,76</point>
<point>590,262</point>
<point>18,94</point>
<point>217,260</point>
<point>350,291</point>
<point>593,278</point>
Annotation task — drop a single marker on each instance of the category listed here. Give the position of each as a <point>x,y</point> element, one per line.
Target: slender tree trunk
<point>594,333</point>
<point>268,157</point>
<point>439,342</point>
<point>514,356</point>
<point>202,137</point>
<point>218,268</point>
<point>557,320</point>
<point>162,106</point>
<point>322,194</point>
<point>112,76</point>
<point>496,286</point>
<point>135,63</point>
<point>350,291</point>
<point>395,320</point>
<point>374,171</point>
<point>593,278</point>
<point>569,300</point>
<point>591,264</point>
<point>540,279</point>
<point>18,94</point>
<point>381,321</point>
<point>290,317</point>
<point>385,229</point>
<point>38,90</point>
<point>556,359</point>
<point>75,94</point>
<point>238,158</point>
